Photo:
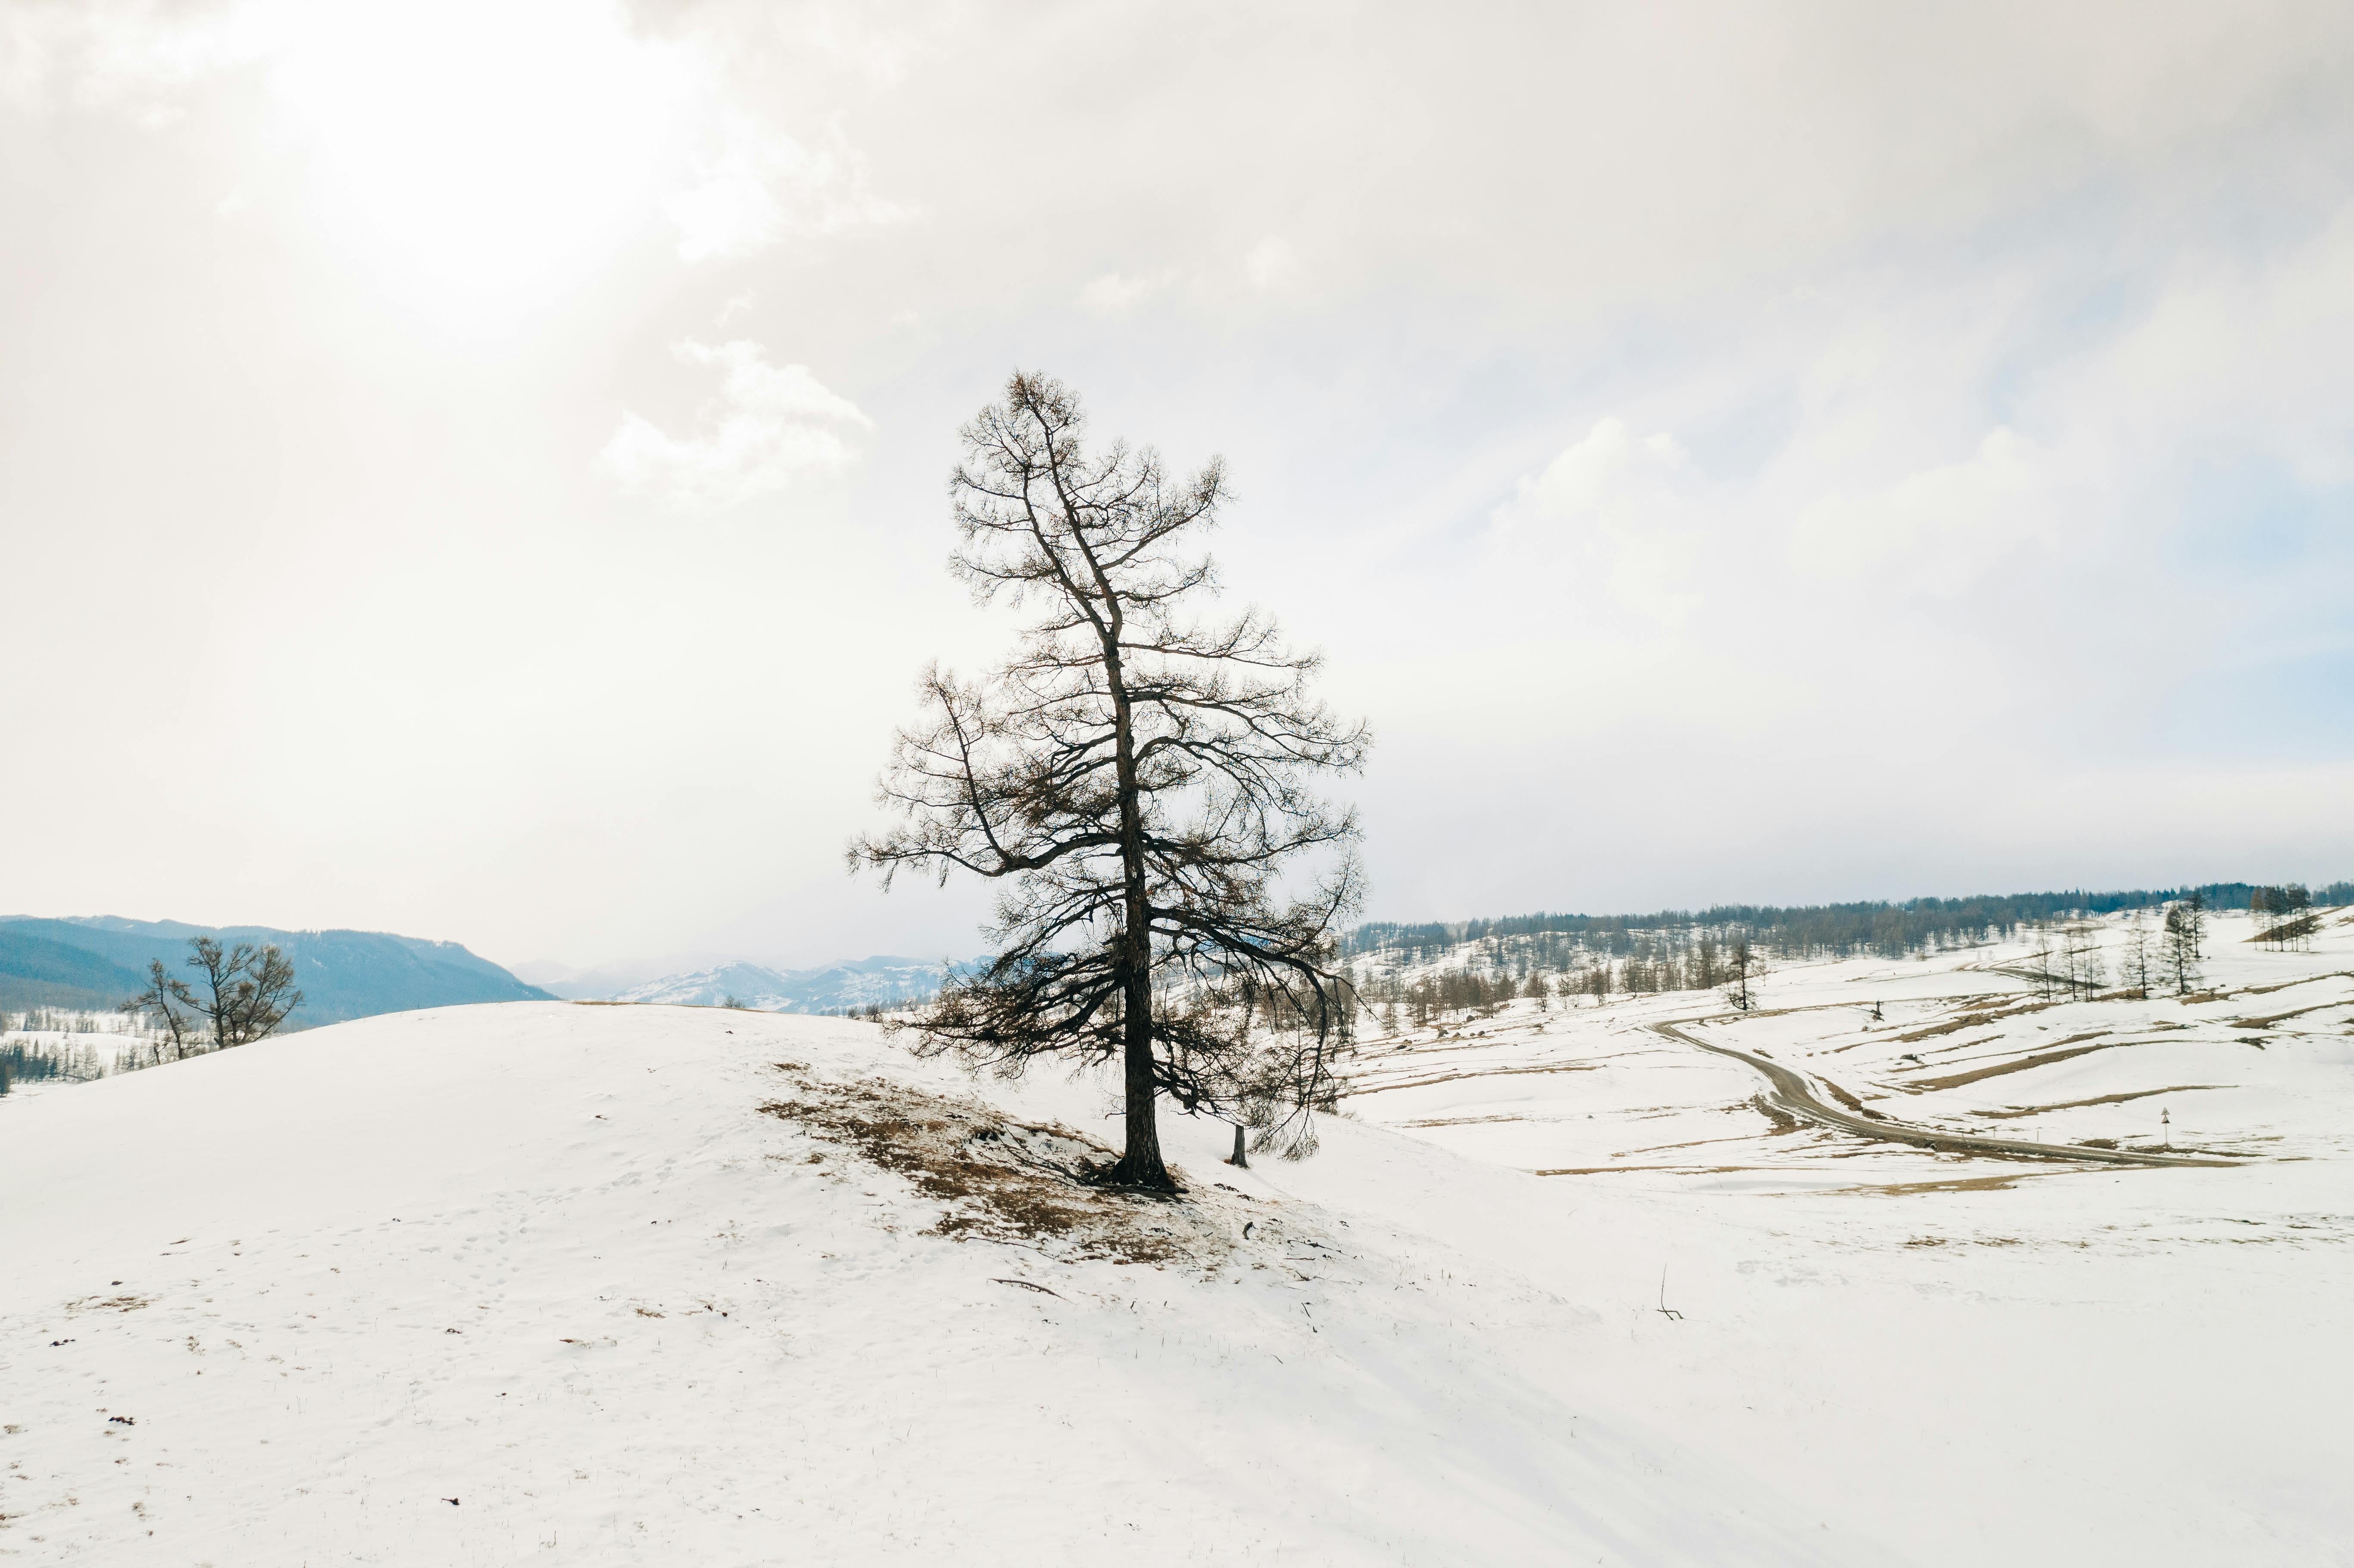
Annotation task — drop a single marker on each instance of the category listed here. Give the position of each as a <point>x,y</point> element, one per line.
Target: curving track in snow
<point>1794,1091</point>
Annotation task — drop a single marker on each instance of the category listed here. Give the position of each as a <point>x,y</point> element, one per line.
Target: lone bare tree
<point>1740,962</point>
<point>1136,774</point>
<point>245,991</point>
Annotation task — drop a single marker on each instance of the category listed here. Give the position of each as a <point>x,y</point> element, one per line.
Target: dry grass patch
<point>1972,1021</point>
<point>2024,1064</point>
<point>1005,1180</point>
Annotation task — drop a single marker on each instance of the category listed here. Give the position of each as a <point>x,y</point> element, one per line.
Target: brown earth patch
<point>1459,1077</point>
<point>1001,1180</point>
<point>1972,1020</point>
<point>1689,1143</point>
<point>2098,1100</point>
<point>1843,1097</point>
<point>2041,1059</point>
<point>1613,1170</point>
<point>1457,1120</point>
<point>1951,1027</point>
<point>1957,1184</point>
<point>1919,1065</point>
<point>2308,980</point>
<point>2270,1019</point>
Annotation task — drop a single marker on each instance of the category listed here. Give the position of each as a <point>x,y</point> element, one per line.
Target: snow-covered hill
<point>618,1283</point>
<point>671,1285</point>
<point>837,987</point>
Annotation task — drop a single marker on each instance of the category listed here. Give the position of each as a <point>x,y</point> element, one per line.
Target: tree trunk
<point>1139,1163</point>
<point>1240,1158</point>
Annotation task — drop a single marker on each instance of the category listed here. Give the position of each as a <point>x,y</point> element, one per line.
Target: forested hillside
<point>1441,967</point>
<point>1890,929</point>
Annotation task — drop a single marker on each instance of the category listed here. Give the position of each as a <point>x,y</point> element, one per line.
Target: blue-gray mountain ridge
<point>97,961</point>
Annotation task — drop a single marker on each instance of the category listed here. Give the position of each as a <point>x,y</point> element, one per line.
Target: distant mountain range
<point>97,961</point>
<point>877,979</point>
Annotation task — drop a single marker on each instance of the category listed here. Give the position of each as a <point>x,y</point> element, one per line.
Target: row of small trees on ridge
<point>1827,930</point>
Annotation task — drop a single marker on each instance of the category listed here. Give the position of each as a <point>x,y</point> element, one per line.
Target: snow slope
<point>2039,1360</point>
<point>556,1262</point>
<point>480,1285</point>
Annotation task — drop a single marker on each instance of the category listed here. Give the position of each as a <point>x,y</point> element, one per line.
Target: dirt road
<point>1795,1093</point>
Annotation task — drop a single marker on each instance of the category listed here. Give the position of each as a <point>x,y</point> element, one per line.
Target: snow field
<point>2036,1361</point>
<point>553,1262</point>
<point>689,1331</point>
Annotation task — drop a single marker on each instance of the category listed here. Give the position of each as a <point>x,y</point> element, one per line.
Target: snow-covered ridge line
<point>864,983</point>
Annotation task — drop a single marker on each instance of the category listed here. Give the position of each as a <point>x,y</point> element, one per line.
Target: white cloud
<point>1273,264</point>
<point>762,185</point>
<point>728,212</point>
<point>1936,532</point>
<point>128,54</point>
<point>1610,475</point>
<point>2242,351</point>
<point>1113,295</point>
<point>1620,499</point>
<point>773,429</point>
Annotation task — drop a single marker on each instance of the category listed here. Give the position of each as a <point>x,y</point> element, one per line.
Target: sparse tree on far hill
<point>1740,962</point>
<point>2283,916</point>
<point>244,992</point>
<point>2082,968</point>
<point>1136,777</point>
<point>2136,952</point>
<point>2184,926</point>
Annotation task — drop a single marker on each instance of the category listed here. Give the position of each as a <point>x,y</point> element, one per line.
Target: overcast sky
<point>477,469</point>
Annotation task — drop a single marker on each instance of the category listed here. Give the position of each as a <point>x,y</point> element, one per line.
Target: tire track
<point>1793,1092</point>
